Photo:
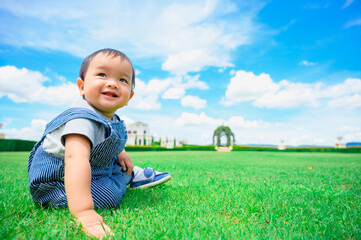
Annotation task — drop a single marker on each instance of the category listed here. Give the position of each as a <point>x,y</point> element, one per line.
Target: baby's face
<point>107,83</point>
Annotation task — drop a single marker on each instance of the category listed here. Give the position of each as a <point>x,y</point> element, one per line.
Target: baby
<point>80,161</point>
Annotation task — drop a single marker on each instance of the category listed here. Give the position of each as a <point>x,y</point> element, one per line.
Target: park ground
<point>237,195</point>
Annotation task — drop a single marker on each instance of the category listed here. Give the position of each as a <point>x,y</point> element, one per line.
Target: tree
<point>223,131</point>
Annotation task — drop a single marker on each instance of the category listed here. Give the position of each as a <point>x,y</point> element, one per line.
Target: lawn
<point>237,195</point>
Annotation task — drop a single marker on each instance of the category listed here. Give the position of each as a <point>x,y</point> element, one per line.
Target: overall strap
<point>73,113</point>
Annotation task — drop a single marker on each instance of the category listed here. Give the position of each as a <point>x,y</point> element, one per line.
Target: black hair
<point>109,52</point>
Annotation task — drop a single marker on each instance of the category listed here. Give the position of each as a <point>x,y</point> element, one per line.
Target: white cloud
<point>188,35</point>
<point>127,120</point>
<point>34,132</point>
<point>263,92</point>
<point>349,86</point>
<point>192,119</point>
<point>289,95</point>
<point>241,122</point>
<point>192,61</point>
<point>137,72</point>
<point>349,129</point>
<point>146,96</point>
<point>352,23</point>
<point>353,137</point>
<point>189,82</point>
<point>20,85</point>
<point>307,63</point>
<point>59,95</point>
<point>27,86</point>
<point>286,27</point>
<point>344,95</point>
<point>349,102</point>
<point>194,102</point>
<point>246,86</point>
<point>145,102</point>
<point>174,93</point>
<point>347,4</point>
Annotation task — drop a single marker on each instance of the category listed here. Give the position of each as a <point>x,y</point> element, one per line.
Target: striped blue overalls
<point>108,184</point>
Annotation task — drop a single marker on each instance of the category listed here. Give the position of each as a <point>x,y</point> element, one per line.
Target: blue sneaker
<point>147,177</point>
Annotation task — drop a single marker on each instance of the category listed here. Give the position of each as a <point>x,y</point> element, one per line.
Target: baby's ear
<point>80,84</point>
<point>131,95</point>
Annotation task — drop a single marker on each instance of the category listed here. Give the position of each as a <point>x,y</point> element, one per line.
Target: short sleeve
<point>82,126</point>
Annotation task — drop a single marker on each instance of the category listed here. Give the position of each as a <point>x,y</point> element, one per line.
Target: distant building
<point>282,146</point>
<point>172,142</point>
<point>339,143</point>
<point>138,134</point>
<point>2,135</point>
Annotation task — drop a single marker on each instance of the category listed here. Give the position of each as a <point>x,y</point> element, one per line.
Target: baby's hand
<point>93,225</point>
<point>125,162</point>
<point>98,230</point>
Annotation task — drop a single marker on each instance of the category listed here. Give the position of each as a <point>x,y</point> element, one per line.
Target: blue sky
<point>271,70</point>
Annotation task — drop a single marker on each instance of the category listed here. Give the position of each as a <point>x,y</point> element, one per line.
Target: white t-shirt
<point>54,142</point>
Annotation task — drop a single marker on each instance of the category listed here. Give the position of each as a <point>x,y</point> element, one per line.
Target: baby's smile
<point>110,94</point>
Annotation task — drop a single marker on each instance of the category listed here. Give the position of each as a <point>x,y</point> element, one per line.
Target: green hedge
<point>8,145</point>
<point>157,148</point>
<point>299,149</point>
<point>15,145</point>
<point>244,148</point>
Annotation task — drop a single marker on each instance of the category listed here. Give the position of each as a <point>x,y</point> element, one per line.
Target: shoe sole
<point>152,184</point>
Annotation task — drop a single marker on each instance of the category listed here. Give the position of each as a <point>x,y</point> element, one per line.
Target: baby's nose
<point>112,84</point>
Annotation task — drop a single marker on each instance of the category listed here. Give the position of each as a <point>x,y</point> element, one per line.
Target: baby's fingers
<point>99,231</point>
<point>107,230</point>
<point>95,232</point>
<point>122,164</point>
<point>130,169</point>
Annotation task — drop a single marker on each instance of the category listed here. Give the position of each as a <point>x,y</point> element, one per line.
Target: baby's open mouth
<point>110,94</point>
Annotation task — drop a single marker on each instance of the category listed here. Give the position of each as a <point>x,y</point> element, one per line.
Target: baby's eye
<point>123,80</point>
<point>102,75</point>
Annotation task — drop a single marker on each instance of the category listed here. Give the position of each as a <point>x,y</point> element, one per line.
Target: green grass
<point>237,195</point>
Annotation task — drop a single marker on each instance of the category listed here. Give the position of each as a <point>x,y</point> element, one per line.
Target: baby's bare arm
<point>77,179</point>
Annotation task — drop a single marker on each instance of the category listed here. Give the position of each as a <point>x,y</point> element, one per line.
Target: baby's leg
<point>52,193</point>
<point>107,191</point>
